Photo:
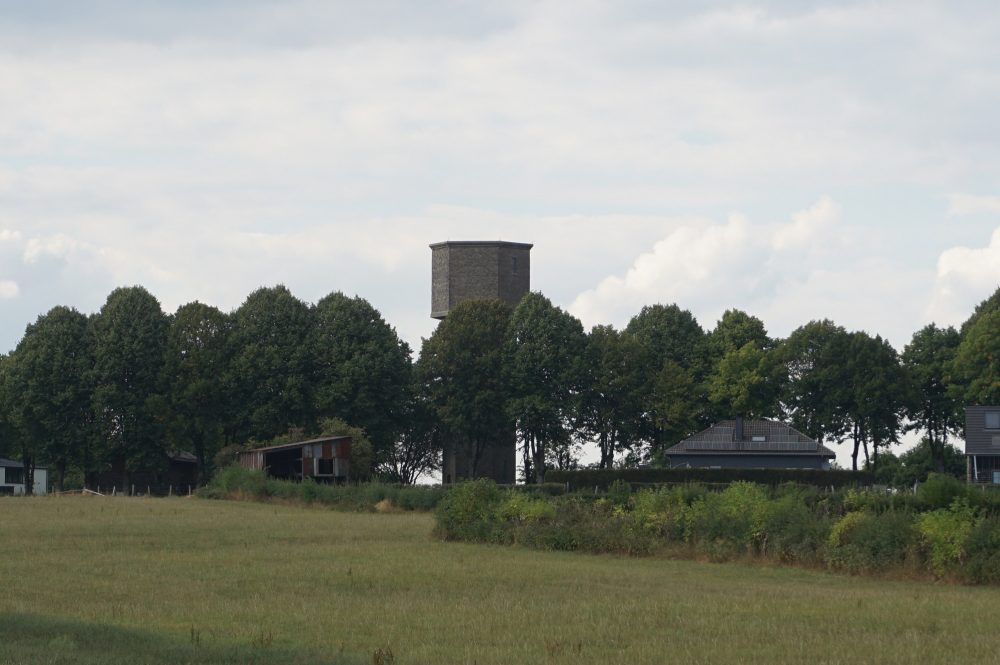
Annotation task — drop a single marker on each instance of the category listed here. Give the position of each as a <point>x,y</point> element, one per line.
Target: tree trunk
<point>854,454</point>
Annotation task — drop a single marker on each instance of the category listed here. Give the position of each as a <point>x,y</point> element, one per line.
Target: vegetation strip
<point>947,530</point>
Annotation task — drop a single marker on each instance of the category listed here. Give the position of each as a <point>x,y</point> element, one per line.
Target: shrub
<point>862,541</point>
<point>982,564</point>
<point>941,490</point>
<point>789,531</point>
<point>727,522</point>
<point>519,507</point>
<point>468,510</point>
<point>944,534</point>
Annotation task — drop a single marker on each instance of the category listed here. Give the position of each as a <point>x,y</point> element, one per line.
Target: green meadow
<point>102,580</point>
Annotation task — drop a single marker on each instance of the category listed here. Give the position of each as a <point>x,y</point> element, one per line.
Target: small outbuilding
<point>12,478</point>
<point>750,444</point>
<point>326,459</point>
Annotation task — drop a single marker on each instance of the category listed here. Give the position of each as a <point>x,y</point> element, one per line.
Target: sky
<point>796,160</point>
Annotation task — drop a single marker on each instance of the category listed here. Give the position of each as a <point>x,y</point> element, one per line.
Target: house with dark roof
<point>750,444</point>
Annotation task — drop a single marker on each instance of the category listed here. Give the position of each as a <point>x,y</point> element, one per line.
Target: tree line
<point>131,383</point>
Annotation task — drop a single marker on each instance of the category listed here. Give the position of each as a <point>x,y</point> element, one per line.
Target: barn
<point>326,459</point>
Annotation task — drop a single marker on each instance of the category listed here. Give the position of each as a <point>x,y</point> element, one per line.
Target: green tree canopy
<point>271,365</point>
<point>934,409</point>
<point>544,347</point>
<point>362,369</point>
<point>817,393</point>
<point>195,371</point>
<point>735,330</point>
<point>976,368</point>
<point>677,349</point>
<point>611,403</point>
<point>129,340</point>
<point>463,363</point>
<point>52,399</point>
<point>747,381</point>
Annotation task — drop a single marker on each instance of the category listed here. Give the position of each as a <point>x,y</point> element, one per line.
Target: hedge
<point>602,478</point>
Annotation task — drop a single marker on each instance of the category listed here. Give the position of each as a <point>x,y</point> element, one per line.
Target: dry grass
<point>182,580</point>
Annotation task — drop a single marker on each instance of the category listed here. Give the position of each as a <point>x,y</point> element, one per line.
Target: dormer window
<point>993,420</point>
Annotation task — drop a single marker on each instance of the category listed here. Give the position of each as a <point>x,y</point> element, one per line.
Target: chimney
<point>738,432</point>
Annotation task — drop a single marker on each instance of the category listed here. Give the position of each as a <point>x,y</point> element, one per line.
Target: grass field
<point>90,580</point>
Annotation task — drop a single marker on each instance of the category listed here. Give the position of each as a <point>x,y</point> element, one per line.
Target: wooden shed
<point>326,459</point>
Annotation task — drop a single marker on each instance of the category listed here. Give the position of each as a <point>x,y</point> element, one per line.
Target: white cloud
<point>8,289</point>
<point>709,267</point>
<point>965,276</point>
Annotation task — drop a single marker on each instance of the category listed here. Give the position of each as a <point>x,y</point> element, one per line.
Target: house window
<point>14,476</point>
<point>324,467</point>
<point>993,420</point>
<point>513,264</point>
<point>759,439</point>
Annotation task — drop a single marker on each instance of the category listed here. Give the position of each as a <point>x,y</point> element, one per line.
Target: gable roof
<point>296,444</point>
<point>12,464</point>
<point>760,437</point>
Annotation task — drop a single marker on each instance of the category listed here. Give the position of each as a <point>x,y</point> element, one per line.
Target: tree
<point>935,409</point>
<point>463,364</point>
<point>53,389</point>
<point>878,391</point>
<point>976,368</point>
<point>417,449</point>
<point>362,369</point>
<point>746,381</point>
<point>916,464</point>
<point>271,370</point>
<point>735,330</point>
<point>611,401</point>
<point>988,306</point>
<point>817,393</point>
<point>677,349</point>
<point>13,442</point>
<point>129,339</point>
<point>543,349</point>
<point>195,365</point>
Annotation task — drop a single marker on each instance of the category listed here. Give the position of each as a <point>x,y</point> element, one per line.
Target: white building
<point>12,478</point>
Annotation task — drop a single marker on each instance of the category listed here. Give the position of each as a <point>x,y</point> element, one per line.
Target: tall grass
<point>101,580</point>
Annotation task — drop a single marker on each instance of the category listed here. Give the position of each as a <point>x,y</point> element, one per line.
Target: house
<point>12,478</point>
<point>750,444</point>
<point>326,459</point>
<point>982,444</point>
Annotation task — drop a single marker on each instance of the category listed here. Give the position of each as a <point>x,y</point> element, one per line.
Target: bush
<point>789,531</point>
<point>727,522</point>
<point>982,565</point>
<point>237,482</point>
<point>941,490</point>
<point>468,512</point>
<point>944,534</point>
<point>864,542</point>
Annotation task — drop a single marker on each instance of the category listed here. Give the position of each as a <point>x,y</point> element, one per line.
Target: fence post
<point>147,490</point>
<point>114,489</point>
<point>170,490</point>
<point>133,490</point>
<point>189,490</point>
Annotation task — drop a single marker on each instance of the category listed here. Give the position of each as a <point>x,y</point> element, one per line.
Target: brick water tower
<point>469,270</point>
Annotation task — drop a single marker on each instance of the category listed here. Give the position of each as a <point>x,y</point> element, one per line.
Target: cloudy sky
<point>791,159</point>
